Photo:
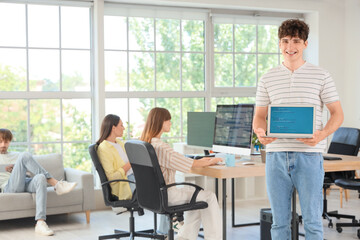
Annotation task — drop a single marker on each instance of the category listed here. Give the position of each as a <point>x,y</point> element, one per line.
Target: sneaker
<point>43,229</point>
<point>63,187</point>
<point>177,225</point>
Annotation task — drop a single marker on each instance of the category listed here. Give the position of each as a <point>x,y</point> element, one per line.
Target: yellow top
<point>112,163</point>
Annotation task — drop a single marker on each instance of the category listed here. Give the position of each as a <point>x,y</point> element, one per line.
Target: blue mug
<point>230,160</point>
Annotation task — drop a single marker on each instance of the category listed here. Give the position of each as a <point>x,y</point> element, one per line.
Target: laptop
<point>291,121</point>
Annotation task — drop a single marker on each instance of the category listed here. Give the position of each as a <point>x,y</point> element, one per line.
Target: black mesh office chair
<point>352,184</point>
<point>346,141</point>
<point>111,200</point>
<point>150,183</point>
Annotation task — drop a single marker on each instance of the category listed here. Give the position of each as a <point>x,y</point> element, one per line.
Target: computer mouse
<point>248,163</point>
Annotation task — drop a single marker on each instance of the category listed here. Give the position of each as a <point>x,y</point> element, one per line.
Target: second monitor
<point>200,128</point>
<point>233,129</point>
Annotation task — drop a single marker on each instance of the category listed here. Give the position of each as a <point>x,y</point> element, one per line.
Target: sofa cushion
<point>24,201</point>
<point>52,163</point>
<point>16,201</point>
<point>72,198</point>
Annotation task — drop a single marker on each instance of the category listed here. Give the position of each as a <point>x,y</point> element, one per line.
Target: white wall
<point>351,78</point>
<point>333,43</point>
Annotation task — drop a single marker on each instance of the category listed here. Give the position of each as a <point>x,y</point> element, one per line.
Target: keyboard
<point>332,158</point>
<point>197,156</point>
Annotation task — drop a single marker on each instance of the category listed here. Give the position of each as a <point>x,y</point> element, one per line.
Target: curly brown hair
<point>294,28</point>
<point>5,134</point>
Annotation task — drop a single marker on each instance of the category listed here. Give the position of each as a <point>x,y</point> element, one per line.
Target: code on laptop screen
<point>292,120</point>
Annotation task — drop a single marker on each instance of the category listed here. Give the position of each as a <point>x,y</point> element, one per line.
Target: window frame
<point>31,95</point>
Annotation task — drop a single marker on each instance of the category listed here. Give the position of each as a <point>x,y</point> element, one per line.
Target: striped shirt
<point>308,84</point>
<point>170,161</point>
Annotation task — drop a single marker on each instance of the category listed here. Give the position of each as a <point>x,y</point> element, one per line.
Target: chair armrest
<point>134,197</point>
<point>117,180</point>
<point>85,181</point>
<point>183,183</point>
<point>193,198</point>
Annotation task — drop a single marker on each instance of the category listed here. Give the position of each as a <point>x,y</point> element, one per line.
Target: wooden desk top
<point>240,170</point>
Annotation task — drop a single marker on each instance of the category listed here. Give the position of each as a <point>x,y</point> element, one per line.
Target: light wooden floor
<point>74,227</point>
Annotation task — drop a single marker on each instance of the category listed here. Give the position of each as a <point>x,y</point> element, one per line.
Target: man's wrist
<point>325,133</point>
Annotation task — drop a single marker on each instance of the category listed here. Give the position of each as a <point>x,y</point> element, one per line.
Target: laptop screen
<point>291,120</point>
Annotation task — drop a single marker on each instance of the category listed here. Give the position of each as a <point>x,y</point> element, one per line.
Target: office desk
<point>240,170</point>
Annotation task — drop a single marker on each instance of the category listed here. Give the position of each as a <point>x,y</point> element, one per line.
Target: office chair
<point>131,205</point>
<point>150,183</point>
<point>352,184</point>
<point>346,141</point>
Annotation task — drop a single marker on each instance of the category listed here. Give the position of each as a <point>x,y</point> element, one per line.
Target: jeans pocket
<point>269,155</point>
<point>311,154</point>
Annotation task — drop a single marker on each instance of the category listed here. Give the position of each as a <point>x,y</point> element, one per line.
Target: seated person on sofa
<point>113,157</point>
<point>15,180</point>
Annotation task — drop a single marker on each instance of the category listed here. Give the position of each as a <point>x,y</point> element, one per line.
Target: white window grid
<point>38,95</point>
<point>209,92</point>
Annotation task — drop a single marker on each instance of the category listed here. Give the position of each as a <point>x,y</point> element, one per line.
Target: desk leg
<point>224,208</point>
<point>217,188</point>
<point>233,208</point>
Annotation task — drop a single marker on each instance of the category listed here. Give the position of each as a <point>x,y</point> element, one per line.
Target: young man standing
<point>14,180</point>
<point>296,162</point>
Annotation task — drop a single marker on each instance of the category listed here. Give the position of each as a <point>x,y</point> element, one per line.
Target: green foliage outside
<point>235,58</point>
<point>45,121</point>
<point>168,70</point>
<point>181,67</point>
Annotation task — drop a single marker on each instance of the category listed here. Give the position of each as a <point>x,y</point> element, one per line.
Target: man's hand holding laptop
<point>260,133</point>
<point>316,138</point>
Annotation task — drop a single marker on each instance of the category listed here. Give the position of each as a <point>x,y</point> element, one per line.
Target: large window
<point>243,53</point>
<point>162,61</point>
<point>45,80</point>
<point>154,62</point>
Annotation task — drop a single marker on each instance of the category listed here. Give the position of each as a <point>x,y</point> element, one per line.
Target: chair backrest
<point>346,141</point>
<point>108,197</point>
<point>148,175</point>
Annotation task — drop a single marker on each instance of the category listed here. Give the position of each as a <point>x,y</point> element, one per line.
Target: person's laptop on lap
<point>291,121</point>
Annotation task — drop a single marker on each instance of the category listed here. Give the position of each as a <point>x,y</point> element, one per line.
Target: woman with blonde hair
<point>113,157</point>
<point>158,122</point>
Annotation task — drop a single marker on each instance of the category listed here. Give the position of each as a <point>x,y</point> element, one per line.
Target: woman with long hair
<point>113,157</point>
<point>158,122</point>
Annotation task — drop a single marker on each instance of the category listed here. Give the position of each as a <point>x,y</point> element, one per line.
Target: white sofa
<point>81,199</point>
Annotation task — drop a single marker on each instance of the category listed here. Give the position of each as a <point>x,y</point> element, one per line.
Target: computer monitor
<point>200,129</point>
<point>233,129</point>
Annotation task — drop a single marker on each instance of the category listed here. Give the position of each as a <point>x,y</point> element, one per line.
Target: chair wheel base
<point>330,225</point>
<point>339,229</point>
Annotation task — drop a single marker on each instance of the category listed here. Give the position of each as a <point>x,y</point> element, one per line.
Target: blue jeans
<point>305,172</point>
<point>18,182</point>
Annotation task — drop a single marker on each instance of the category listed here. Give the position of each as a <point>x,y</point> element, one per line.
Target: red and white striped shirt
<point>170,161</point>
